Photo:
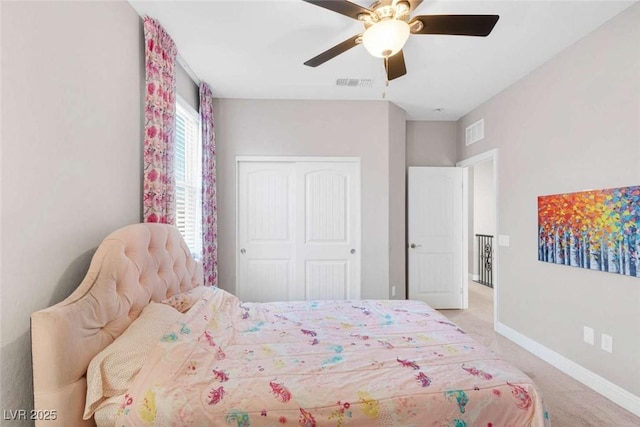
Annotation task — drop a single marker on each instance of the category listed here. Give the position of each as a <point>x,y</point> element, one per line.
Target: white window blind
<point>188,171</point>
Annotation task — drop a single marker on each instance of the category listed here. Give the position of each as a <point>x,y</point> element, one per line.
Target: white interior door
<point>266,231</point>
<point>328,230</point>
<point>298,230</point>
<point>437,224</point>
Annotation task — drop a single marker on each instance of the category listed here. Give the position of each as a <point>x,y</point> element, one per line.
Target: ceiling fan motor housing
<point>382,11</point>
<point>386,28</point>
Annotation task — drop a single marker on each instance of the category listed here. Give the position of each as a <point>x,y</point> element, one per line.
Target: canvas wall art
<point>596,229</point>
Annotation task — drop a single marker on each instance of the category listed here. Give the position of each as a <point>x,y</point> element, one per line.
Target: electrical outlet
<point>393,291</point>
<point>606,343</point>
<point>588,335</point>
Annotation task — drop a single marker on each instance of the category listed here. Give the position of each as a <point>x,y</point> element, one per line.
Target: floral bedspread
<point>325,363</point>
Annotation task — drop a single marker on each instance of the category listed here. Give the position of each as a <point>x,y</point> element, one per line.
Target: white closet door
<point>327,230</point>
<point>298,230</point>
<point>266,239</point>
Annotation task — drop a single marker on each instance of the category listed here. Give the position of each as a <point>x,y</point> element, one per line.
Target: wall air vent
<point>475,132</point>
<point>354,82</point>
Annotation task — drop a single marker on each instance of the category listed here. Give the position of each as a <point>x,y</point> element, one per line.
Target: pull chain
<point>386,76</point>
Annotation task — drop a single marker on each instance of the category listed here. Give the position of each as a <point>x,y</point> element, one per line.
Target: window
<point>188,171</point>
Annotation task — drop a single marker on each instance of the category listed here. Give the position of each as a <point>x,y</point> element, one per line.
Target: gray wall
<point>572,124</point>
<point>72,78</point>
<point>397,204</point>
<point>484,217</point>
<point>431,143</point>
<point>483,212</point>
<point>310,128</point>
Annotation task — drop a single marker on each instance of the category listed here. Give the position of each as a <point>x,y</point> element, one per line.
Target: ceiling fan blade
<point>333,52</point>
<point>343,7</point>
<point>457,25</point>
<point>395,66</point>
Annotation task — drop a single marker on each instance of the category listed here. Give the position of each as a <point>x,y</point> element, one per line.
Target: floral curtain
<point>209,203</point>
<point>160,114</point>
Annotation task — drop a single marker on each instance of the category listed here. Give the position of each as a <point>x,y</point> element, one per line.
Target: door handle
<point>413,246</point>
<point>353,251</point>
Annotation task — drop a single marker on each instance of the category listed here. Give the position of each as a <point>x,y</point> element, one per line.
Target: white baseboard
<point>474,277</point>
<point>616,394</point>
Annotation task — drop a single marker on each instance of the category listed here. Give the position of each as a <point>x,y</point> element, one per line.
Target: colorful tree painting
<point>597,230</point>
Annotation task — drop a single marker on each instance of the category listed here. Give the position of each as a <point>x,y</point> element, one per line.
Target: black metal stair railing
<point>485,259</point>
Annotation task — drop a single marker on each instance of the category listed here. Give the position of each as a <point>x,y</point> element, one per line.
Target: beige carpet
<point>569,402</point>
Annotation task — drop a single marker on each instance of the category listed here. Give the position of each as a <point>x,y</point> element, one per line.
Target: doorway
<point>483,221</point>
<point>436,228</point>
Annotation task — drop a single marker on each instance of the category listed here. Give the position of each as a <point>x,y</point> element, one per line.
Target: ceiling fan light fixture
<point>386,38</point>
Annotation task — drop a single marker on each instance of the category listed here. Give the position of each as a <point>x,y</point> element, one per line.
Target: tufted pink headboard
<point>132,266</point>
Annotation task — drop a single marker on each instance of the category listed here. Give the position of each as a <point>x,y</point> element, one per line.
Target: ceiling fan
<point>388,25</point>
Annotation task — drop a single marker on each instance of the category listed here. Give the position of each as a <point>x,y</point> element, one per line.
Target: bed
<point>203,357</point>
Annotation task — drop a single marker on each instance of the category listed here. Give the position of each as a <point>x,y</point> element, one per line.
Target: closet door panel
<point>266,235</point>
<point>327,280</point>
<point>328,229</point>
<point>298,230</point>
<point>326,207</point>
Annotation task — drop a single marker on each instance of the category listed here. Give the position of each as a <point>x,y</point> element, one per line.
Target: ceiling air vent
<point>475,132</point>
<point>354,82</point>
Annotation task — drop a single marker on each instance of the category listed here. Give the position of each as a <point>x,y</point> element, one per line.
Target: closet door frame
<point>352,293</point>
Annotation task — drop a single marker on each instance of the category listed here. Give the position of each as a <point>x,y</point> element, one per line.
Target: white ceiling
<point>256,49</point>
